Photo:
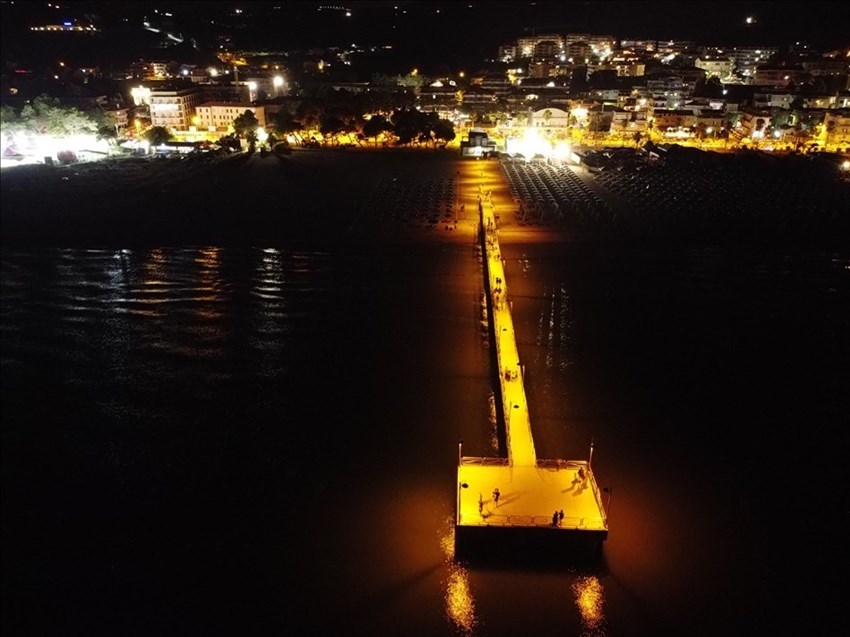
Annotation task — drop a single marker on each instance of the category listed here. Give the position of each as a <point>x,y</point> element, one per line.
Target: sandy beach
<point>237,200</point>
<point>346,196</point>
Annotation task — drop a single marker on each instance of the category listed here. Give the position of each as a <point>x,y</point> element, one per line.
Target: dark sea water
<point>256,441</point>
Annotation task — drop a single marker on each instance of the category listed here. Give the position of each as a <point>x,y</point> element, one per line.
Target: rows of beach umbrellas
<point>546,194</point>
<point>767,198</point>
<point>414,202</point>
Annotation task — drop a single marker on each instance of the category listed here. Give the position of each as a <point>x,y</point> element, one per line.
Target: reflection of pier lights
<point>461,485</point>
<point>278,84</point>
<point>609,491</point>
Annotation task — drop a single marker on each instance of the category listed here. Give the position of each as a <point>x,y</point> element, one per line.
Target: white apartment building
<point>547,45</point>
<point>668,92</point>
<point>748,58</point>
<point>716,66</point>
<point>219,116</point>
<point>174,109</point>
<point>549,120</point>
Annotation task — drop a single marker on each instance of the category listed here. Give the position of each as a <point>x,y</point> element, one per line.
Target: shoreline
<point>303,198</point>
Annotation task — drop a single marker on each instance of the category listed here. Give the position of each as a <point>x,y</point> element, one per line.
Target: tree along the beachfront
<point>444,130</point>
<point>330,126</point>
<point>376,125</point>
<point>46,116</point>
<point>157,135</point>
<point>413,125</point>
<point>285,124</point>
<point>246,126</point>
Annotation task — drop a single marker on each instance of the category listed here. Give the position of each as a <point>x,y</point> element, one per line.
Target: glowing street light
<point>252,91</point>
<point>278,84</point>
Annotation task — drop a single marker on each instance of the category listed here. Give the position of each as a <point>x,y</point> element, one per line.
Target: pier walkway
<point>531,492</point>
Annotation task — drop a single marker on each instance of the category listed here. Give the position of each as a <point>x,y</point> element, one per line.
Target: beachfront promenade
<point>531,490</point>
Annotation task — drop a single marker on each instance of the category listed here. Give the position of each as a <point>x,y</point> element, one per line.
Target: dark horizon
<point>430,34</point>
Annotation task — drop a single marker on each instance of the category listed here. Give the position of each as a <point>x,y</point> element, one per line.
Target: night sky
<point>457,34</point>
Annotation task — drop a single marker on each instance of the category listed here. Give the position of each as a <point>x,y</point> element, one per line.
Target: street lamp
<point>278,84</point>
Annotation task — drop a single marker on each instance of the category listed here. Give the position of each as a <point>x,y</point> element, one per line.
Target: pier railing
<point>484,462</point>
<point>511,380</point>
<point>574,524</point>
<point>556,464</point>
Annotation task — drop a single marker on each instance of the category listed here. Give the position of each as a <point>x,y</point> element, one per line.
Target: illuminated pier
<point>532,492</point>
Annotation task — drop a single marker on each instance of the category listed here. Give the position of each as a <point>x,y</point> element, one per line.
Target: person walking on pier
<point>496,495</point>
<point>555,519</point>
<point>560,517</point>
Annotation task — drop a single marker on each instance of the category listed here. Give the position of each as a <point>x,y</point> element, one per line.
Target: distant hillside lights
<point>67,27</point>
<point>344,10</point>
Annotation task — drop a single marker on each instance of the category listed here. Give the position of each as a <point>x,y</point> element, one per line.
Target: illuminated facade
<point>539,45</point>
<point>748,58</point>
<point>549,120</point>
<point>219,116</point>
<point>718,66</point>
<point>438,97</point>
<point>673,119</point>
<point>837,127</point>
<point>667,48</point>
<point>174,109</point>
<point>754,123</point>
<point>667,92</point>
<point>507,53</point>
<point>780,77</point>
<point>476,97</point>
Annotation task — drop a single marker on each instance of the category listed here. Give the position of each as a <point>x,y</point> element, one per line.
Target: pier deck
<point>531,491</point>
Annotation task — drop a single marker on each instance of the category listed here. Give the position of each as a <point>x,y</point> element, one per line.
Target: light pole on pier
<point>590,457</point>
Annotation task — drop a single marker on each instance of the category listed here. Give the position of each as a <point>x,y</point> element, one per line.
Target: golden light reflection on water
<point>447,539</point>
<point>460,604</point>
<point>590,599</point>
<point>153,268</point>
<point>209,261</point>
